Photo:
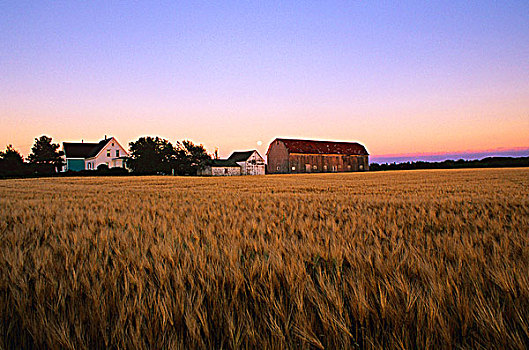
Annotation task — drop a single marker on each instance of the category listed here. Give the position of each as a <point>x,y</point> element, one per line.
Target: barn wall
<point>327,163</point>
<point>278,162</point>
<point>365,162</point>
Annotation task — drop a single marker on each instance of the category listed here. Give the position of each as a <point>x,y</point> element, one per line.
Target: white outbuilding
<point>251,162</point>
<point>220,167</point>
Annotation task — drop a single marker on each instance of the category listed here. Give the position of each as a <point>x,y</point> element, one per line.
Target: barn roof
<point>323,147</point>
<point>83,149</point>
<point>241,156</point>
<point>222,163</point>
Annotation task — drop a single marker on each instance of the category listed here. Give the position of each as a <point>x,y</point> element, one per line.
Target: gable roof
<point>83,149</point>
<point>241,156</point>
<point>323,147</point>
<point>105,142</point>
<point>222,163</point>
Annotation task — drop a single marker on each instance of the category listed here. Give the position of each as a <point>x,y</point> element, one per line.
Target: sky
<point>402,78</point>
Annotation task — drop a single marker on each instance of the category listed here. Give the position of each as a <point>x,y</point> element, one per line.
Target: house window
<point>314,167</point>
<point>108,153</point>
<point>293,168</point>
<point>112,144</point>
<point>117,153</point>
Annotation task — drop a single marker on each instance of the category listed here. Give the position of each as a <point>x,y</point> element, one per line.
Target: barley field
<point>411,259</point>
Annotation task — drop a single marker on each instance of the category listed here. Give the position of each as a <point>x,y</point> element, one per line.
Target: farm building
<point>88,156</point>
<point>289,156</point>
<point>251,162</point>
<point>220,167</point>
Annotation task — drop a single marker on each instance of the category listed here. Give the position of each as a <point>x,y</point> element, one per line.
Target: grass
<point>419,259</point>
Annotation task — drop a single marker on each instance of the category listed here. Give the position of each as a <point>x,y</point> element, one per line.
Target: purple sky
<point>407,77</point>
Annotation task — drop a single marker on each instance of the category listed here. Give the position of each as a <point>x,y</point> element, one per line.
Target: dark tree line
<point>490,162</point>
<point>150,155</point>
<point>45,158</point>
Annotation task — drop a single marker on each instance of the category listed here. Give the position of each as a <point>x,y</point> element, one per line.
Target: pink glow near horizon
<point>381,137</point>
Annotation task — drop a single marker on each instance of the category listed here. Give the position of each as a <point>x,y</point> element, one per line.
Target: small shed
<point>251,162</point>
<point>220,167</point>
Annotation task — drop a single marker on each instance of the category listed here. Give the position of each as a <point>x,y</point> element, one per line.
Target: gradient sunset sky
<point>403,77</point>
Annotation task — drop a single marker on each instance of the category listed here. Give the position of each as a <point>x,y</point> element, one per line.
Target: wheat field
<point>410,259</point>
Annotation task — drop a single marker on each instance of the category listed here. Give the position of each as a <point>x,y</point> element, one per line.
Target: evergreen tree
<point>11,162</point>
<point>45,155</point>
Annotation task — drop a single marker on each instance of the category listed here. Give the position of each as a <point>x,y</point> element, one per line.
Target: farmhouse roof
<point>83,149</point>
<point>323,147</point>
<point>221,163</point>
<point>241,156</point>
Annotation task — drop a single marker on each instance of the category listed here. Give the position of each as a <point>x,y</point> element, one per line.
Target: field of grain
<point>417,259</point>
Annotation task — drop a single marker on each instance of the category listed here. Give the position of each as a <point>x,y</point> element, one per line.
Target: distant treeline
<point>489,162</point>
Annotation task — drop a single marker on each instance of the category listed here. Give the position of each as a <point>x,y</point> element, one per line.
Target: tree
<point>189,157</point>
<point>11,155</point>
<point>45,155</point>
<point>11,162</point>
<point>150,155</point>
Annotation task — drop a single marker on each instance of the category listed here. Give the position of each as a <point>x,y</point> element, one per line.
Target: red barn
<point>288,156</point>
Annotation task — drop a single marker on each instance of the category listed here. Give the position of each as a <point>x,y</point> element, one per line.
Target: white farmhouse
<point>251,162</point>
<point>88,156</point>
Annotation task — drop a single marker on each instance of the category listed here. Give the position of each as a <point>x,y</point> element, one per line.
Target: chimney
<point>82,141</point>
<point>216,153</point>
<point>105,137</point>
